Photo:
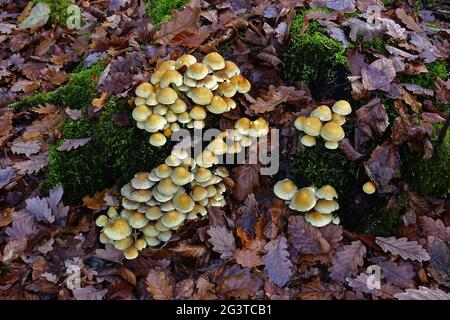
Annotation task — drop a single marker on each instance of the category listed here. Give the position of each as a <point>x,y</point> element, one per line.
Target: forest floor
<point>68,73</point>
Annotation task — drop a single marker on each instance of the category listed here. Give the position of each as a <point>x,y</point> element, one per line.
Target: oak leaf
<point>347,261</point>
<point>223,241</point>
<point>159,284</point>
<point>403,248</point>
<point>278,266</point>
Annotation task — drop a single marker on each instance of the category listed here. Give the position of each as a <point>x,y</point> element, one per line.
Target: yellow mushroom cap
<point>152,241</point>
<point>369,187</point>
<point>206,159</point>
<point>173,218</point>
<point>183,203</point>
<point>169,77</point>
<point>141,112</point>
<point>153,213</point>
<point>298,123</point>
<point>151,100</point>
<point>318,219</point>
<point>231,104</point>
<point>181,176</point>
<point>167,65</point>
<point>185,60</point>
<point>102,220</point>
<point>231,69</point>
<point>137,220</point>
<point>149,230</point>
<point>141,181</point>
<point>217,105</point>
<point>326,206</point>
<point>144,90</point>
<point>215,61</point>
<point>112,212</point>
<point>160,109</point>
<point>130,204</point>
<point>243,126</point>
<point>131,253</point>
<point>117,229</point>
<point>178,106</point>
<point>197,71</point>
<point>167,187</point>
<point>124,243</point>
<point>342,107</point>
<point>196,211</point>
<point>158,139</point>
<point>154,123</point>
<point>104,239</point>
<point>312,126</point>
<point>236,147</point>
<point>197,113</point>
<point>285,189</point>
<point>160,227</point>
<point>165,235</point>
<point>326,192</point>
<point>322,112</point>
<point>140,244</point>
<point>336,219</point>
<point>217,146</point>
<point>198,193</point>
<point>126,190</point>
<point>332,145</point>
<point>201,96</point>
<point>172,161</point>
<point>209,82</point>
<point>227,89</point>
<point>338,119</point>
<point>166,95</point>
<point>141,195</point>
<point>332,131</point>
<point>308,141</point>
<point>180,153</point>
<point>259,128</point>
<point>242,84</point>
<point>202,175</point>
<point>303,200</point>
<point>163,171</point>
<point>189,82</point>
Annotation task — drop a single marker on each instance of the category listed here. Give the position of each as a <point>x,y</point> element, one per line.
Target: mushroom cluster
<point>244,134</point>
<point>181,92</point>
<point>317,204</point>
<point>156,203</point>
<point>324,122</point>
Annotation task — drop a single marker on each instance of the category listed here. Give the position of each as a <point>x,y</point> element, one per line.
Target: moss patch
<point>316,59</point>
<point>77,93</point>
<point>429,177</point>
<point>319,166</point>
<point>161,10</point>
<point>58,10</point>
<point>435,69</point>
<point>113,155</point>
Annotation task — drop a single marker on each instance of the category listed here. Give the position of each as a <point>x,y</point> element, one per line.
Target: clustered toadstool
<point>369,187</point>
<point>156,203</point>
<point>182,91</point>
<point>317,204</point>
<point>324,122</point>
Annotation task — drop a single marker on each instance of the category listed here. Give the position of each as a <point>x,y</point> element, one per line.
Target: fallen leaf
<point>223,241</point>
<point>434,228</point>
<point>239,283</point>
<point>423,293</point>
<point>89,293</point>
<point>347,261</point>
<point>6,116</point>
<point>6,175</point>
<point>407,20</point>
<point>440,257</point>
<point>305,238</point>
<point>71,144</point>
<point>277,264</point>
<point>383,166</point>
<point>403,248</point>
<point>400,275</point>
<point>159,284</point>
<point>378,75</point>
<point>246,178</point>
<point>25,147</point>
<point>33,165</point>
<point>248,258</point>
<point>37,18</point>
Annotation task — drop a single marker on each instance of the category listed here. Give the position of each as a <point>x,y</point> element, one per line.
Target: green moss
<point>429,177</point>
<point>58,10</point>
<point>319,166</point>
<point>77,93</point>
<point>161,10</point>
<point>314,58</point>
<point>113,155</point>
<point>426,80</point>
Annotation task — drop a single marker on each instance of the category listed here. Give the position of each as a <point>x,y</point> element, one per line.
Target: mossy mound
<point>161,10</point>
<point>316,59</point>
<point>429,177</point>
<point>426,80</point>
<point>58,10</point>
<point>113,155</point>
<point>77,93</point>
<point>318,166</point>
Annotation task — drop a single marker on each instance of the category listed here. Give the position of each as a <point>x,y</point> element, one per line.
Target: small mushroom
<point>298,123</point>
<point>144,90</point>
<point>242,85</point>
<point>197,71</point>
<point>131,253</point>
<point>124,243</point>
<point>332,145</point>
<point>285,189</point>
<point>308,141</point>
<point>322,112</point>
<point>102,220</point>
<point>152,241</point>
<point>185,61</point>
<point>141,112</point>
<point>243,126</point>
<point>173,218</point>
<point>215,61</point>
<point>326,206</point>
<point>231,69</point>
<point>369,187</point>
<point>326,192</point>
<point>117,229</point>
<point>181,176</point>
<point>303,200</point>
<point>171,77</point>
<point>158,139</point>
<point>153,213</point>
<point>338,119</point>
<point>154,122</point>
<point>183,203</point>
<point>332,131</point>
<point>141,181</point>
<point>166,95</point>
<point>311,126</point>
<point>342,107</point>
<point>201,96</point>
<point>318,219</point>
